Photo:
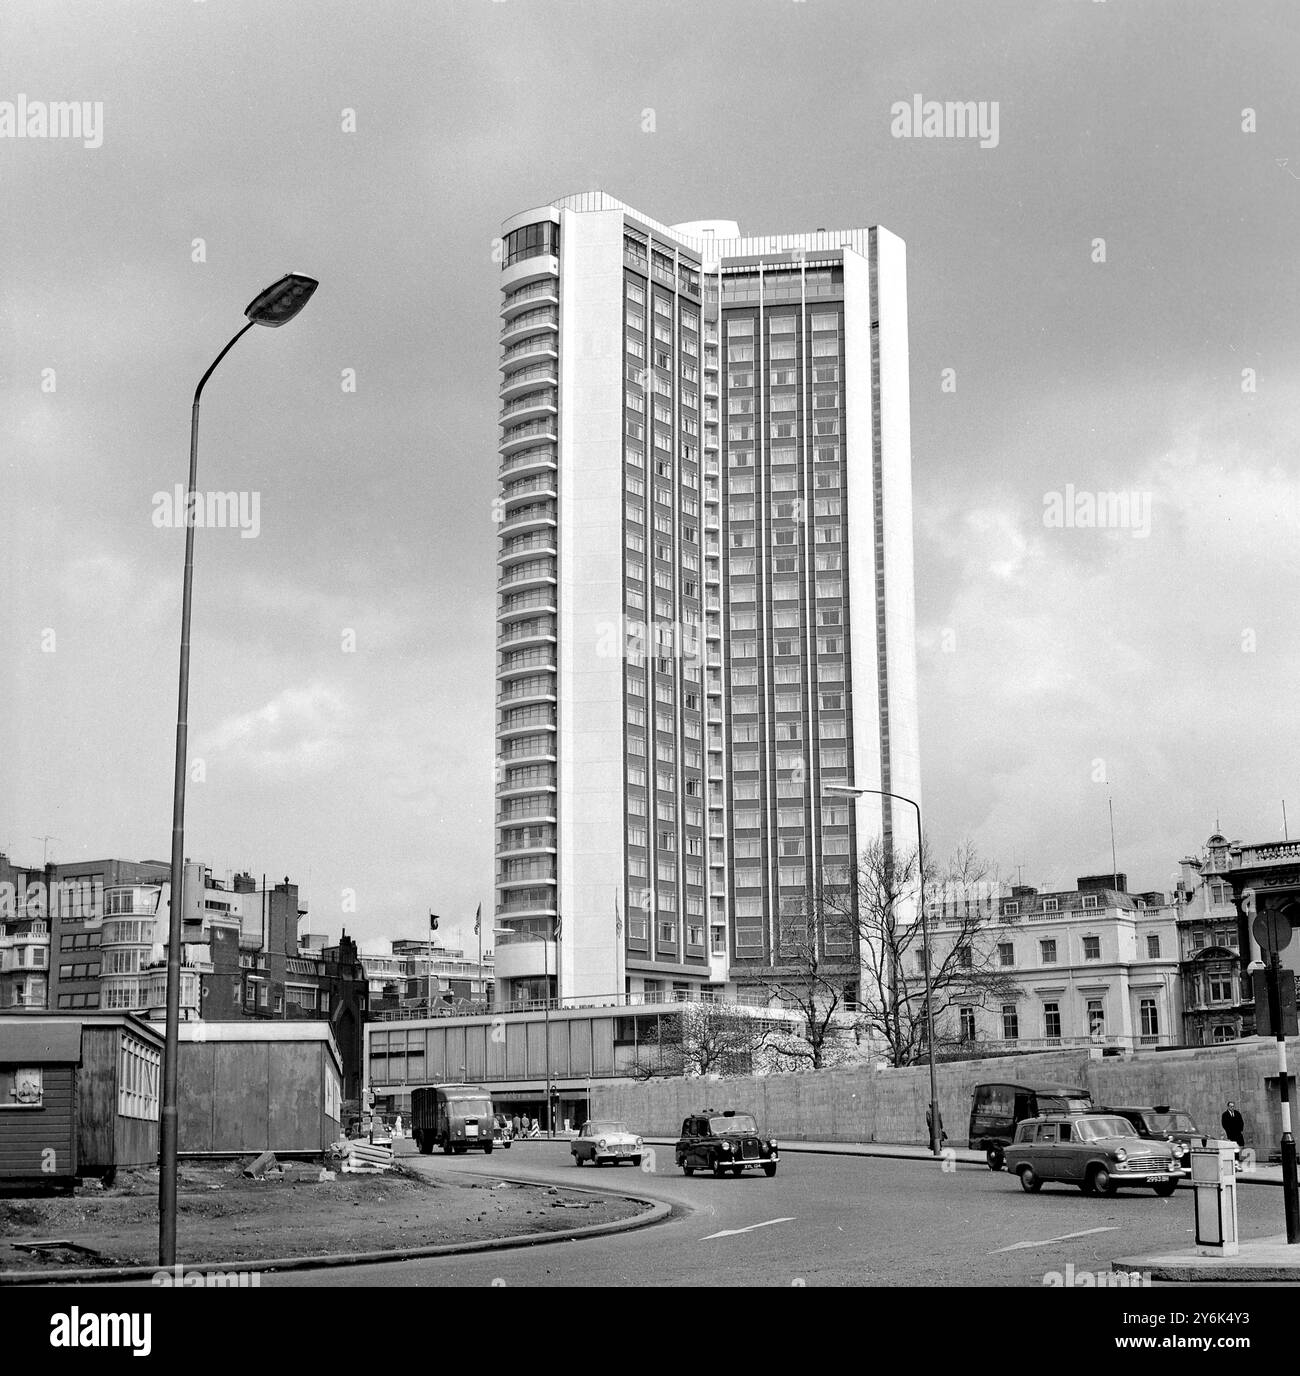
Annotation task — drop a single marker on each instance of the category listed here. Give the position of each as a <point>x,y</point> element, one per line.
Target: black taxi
<point>725,1141</point>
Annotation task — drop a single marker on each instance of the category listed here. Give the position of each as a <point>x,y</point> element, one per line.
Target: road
<point>822,1221</point>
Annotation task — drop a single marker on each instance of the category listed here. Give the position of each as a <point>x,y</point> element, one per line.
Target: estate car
<point>1098,1152</point>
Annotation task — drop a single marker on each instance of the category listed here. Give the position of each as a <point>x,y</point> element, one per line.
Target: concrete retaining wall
<point>868,1105</point>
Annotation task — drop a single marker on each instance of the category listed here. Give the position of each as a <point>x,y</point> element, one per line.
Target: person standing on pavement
<point>1234,1125</point>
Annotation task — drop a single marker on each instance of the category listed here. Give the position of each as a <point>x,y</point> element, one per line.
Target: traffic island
<point>1265,1260</point>
<point>300,1217</point>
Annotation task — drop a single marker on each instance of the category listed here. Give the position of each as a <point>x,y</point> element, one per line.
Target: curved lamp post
<point>936,1135</point>
<point>277,305</point>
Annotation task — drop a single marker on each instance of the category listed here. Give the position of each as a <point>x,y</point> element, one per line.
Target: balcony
<point>537,719</point>
<point>529,406</point>
<point>529,322</point>
<point>524,604</point>
<point>529,751</point>
<point>525,575</point>
<point>545,292</point>
<point>540,542</point>
<point>534,514</point>
<point>517,436</point>
<point>534,661</point>
<point>527,812</point>
<point>535,376</point>
<point>529,692</point>
<point>535,460</point>
<point>536,348</point>
<point>525,488</point>
<point>540,629</point>
<point>530,837</point>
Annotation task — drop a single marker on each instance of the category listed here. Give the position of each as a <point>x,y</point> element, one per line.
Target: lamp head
<point>281,301</point>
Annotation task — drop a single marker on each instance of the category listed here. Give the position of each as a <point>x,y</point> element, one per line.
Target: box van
<point>453,1117</point>
<point>996,1108</point>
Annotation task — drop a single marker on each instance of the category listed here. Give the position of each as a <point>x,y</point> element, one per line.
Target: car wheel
<point>460,1151</point>
<point>446,1148</point>
<point>577,1160</point>
<point>719,1170</point>
<point>1102,1184</point>
<point>995,1158</point>
<point>1165,1190</point>
<point>487,1149</point>
<point>1029,1180</point>
<point>425,1143</point>
<point>769,1169</point>
<point>688,1170</point>
<point>636,1160</point>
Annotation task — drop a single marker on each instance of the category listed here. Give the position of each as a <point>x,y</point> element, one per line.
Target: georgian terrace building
<point>1093,966</point>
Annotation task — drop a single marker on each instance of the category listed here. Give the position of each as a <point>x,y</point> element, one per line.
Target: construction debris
<point>264,1163</point>
<point>365,1158</point>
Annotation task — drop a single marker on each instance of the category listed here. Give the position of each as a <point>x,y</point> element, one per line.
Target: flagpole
<point>478,927</point>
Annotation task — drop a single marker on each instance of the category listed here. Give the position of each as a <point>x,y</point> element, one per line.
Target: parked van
<point>996,1108</point>
<point>453,1117</point>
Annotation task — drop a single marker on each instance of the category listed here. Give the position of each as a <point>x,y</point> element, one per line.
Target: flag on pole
<point>478,919</point>
<point>618,917</point>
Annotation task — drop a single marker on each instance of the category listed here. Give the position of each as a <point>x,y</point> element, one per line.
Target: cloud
<point>300,731</point>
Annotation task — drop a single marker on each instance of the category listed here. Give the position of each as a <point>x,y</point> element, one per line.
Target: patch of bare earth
<point>223,1216</point>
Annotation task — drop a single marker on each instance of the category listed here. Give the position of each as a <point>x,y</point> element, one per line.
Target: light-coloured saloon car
<point>603,1139</point>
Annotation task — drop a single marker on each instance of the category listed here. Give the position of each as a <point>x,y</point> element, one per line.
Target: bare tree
<point>815,974</point>
<point>882,899</point>
<point>705,1039</point>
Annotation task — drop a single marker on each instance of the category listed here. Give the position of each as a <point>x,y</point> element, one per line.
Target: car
<point>603,1139</point>
<point>1099,1152</point>
<point>1159,1122</point>
<point>725,1141</point>
<point>502,1133</point>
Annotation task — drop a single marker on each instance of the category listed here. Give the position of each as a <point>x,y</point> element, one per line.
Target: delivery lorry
<point>457,1118</point>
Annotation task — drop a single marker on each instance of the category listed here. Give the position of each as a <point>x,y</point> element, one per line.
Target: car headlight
<point>1121,1154</point>
<point>1178,1150</point>
<point>638,1142</point>
<point>601,1144</point>
<point>726,1146</point>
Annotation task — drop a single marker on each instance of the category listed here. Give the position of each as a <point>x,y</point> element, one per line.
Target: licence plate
<point>1157,1179</point>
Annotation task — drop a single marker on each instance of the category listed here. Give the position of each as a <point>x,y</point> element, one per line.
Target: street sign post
<point>1272,929</point>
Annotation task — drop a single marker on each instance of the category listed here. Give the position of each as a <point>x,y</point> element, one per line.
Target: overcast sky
<point>1051,657</point>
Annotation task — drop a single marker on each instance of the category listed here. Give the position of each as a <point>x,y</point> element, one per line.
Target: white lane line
<point>1065,1237</point>
<point>735,1232</point>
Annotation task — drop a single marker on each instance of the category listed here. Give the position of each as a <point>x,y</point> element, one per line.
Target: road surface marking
<point>735,1232</point>
<point>1065,1237</point>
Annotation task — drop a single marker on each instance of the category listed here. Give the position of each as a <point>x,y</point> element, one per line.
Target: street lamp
<point>546,1017</point>
<point>277,305</point>
<point>936,1133</point>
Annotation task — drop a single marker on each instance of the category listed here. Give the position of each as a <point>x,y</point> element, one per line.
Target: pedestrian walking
<point>929,1127</point>
<point>1234,1125</point>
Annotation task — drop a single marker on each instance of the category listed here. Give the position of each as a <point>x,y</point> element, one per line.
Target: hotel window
<point>1092,948</point>
<point>825,453</point>
<point>967,1024</point>
<point>635,348</point>
<point>830,645</point>
<point>1010,1023</point>
<point>1096,1018</point>
<point>828,535</point>
<point>1153,946</point>
<point>1091,900</point>
<point>744,761</point>
<point>826,373</point>
<point>781,351</point>
<point>1052,1021</point>
<point>835,814</point>
<point>826,322</point>
<point>743,324</point>
<point>825,348</point>
<point>1006,953</point>
<point>826,506</point>
<point>741,485</point>
<point>784,377</point>
<point>741,458</point>
<point>828,479</point>
<point>832,728</point>
<point>829,587</point>
<point>1047,949</point>
<point>1150,1020</point>
<point>1050,905</point>
<point>785,482</point>
<point>636,293</point>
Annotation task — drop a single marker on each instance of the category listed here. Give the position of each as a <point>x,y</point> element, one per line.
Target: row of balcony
<point>542,293</point>
<point>535,459</point>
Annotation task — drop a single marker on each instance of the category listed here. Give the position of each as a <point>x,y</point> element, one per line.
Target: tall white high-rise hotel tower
<point>705,609</point>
